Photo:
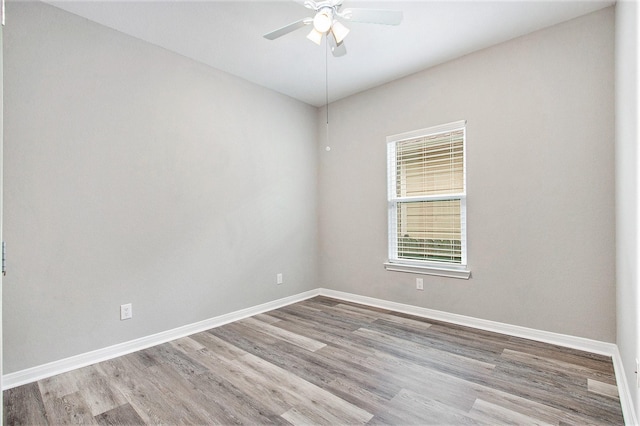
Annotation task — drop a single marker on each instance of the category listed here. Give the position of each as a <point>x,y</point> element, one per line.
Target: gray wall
<point>540,154</point>
<point>627,197</point>
<point>134,175</point>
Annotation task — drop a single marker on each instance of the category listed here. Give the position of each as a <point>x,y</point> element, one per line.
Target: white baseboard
<point>57,367</point>
<point>40,372</point>
<point>626,401</point>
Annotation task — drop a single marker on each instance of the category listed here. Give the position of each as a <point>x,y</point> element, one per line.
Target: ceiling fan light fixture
<point>315,36</point>
<point>339,31</point>
<point>328,21</point>
<point>322,22</point>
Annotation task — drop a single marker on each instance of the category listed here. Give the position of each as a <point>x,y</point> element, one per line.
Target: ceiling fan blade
<point>373,16</point>
<point>337,49</point>
<point>288,28</point>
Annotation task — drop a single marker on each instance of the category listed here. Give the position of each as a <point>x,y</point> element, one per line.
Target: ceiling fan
<point>327,22</point>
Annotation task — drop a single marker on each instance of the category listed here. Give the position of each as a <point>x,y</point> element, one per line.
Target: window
<point>427,201</point>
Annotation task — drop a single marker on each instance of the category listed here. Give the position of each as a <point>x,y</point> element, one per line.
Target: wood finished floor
<point>324,361</point>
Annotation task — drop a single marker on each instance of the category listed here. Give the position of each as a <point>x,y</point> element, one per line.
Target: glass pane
<point>430,165</point>
<point>430,230</point>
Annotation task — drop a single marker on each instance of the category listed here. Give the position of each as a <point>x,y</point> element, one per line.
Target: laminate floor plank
<point>483,346</point>
<point>58,386</point>
<point>332,337</point>
<point>415,322</point>
<point>215,345</point>
<point>327,361</point>
<point>141,359</point>
<point>357,313</point>
<point>313,367</point>
<point>95,390</point>
<point>529,408</point>
<point>255,388</point>
<point>605,389</point>
<point>287,356</point>
<point>573,356</point>
<point>234,403</point>
<point>326,318</point>
<point>407,408</point>
<point>154,397</point>
<point>425,337</point>
<point>282,390</point>
<point>266,318</point>
<point>280,333</point>
<point>320,301</point>
<point>534,385</point>
<point>557,366</point>
<point>352,391</point>
<point>187,345</point>
<point>356,305</point>
<point>69,409</point>
<point>367,379</point>
<point>24,406</point>
<point>302,416</point>
<point>225,380</point>
<point>168,355</point>
<point>444,388</point>
<point>188,397</point>
<point>460,334</point>
<point>491,413</point>
<point>131,382</point>
<point>305,394</point>
<point>462,394</point>
<point>122,415</point>
<point>424,355</point>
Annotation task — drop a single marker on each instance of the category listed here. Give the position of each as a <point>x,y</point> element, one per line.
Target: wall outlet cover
<point>126,311</point>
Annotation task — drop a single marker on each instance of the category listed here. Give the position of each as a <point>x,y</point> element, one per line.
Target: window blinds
<point>430,165</point>
<point>427,197</point>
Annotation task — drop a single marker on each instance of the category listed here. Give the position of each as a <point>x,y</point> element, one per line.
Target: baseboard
<point>57,367</point>
<point>40,372</point>
<point>626,401</point>
<point>580,343</point>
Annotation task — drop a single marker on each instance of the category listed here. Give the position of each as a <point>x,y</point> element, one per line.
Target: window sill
<point>454,272</point>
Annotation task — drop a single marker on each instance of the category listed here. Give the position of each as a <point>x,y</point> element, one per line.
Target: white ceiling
<point>228,35</point>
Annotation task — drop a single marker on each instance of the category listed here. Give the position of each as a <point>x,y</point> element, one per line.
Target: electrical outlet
<point>279,278</point>
<point>126,311</point>
<point>419,284</point>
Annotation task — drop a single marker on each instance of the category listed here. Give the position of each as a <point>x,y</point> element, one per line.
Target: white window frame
<point>454,270</point>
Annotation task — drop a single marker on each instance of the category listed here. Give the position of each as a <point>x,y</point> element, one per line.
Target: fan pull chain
<point>326,87</point>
